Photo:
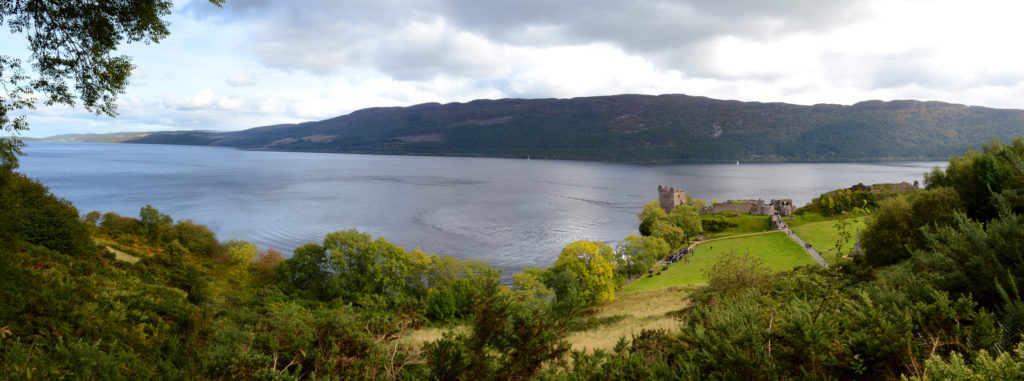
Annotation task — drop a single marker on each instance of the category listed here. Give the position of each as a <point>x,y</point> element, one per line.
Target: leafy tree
<point>197,238</point>
<point>979,175</point>
<point>651,214</point>
<point>530,284</point>
<point>307,271</point>
<point>889,232</point>
<point>635,254</point>
<point>592,264</point>
<point>671,234</point>
<point>72,44</point>
<point>441,305</point>
<point>366,268</point>
<point>898,226</point>
<point>687,218</point>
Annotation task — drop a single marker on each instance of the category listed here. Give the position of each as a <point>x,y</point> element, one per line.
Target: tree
<point>239,256</point>
<point>72,44</point>
<point>888,232</point>
<point>199,240</point>
<point>307,271</point>
<point>979,175</point>
<point>687,218</point>
<point>368,270</point>
<point>672,234</point>
<point>898,225</point>
<point>593,266</point>
<point>636,254</point>
<point>153,222</point>
<point>651,214</point>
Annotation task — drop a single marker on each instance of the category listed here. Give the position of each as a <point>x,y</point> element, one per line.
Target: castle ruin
<point>784,207</point>
<point>670,198</point>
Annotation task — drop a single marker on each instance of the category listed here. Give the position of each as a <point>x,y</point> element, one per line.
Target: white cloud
<point>240,80</point>
<point>203,99</point>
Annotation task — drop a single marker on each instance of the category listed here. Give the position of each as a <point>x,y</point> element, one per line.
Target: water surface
<point>512,213</point>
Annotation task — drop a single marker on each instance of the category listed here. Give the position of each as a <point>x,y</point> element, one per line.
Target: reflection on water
<point>512,213</point>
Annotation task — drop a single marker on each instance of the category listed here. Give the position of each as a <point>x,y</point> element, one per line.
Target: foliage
<point>1006,366</point>
<point>845,200</point>
<point>687,219</point>
<point>511,338</point>
<point>593,265</point>
<point>530,284</point>
<point>953,309</point>
<point>736,273</point>
<point>651,214</point>
<point>900,224</point>
<point>978,176</point>
<point>29,213</point>
<point>635,254</point>
<point>717,224</point>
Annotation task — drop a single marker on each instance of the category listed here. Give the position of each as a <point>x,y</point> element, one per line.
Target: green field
<point>778,251</point>
<point>805,218</point>
<point>745,223</point>
<point>823,236</point>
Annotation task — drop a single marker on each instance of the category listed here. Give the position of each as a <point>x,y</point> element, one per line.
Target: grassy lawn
<point>745,223</point>
<point>806,218</point>
<point>823,236</point>
<point>778,251</point>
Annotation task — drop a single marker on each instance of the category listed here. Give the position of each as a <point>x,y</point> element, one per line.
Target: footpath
<point>810,250</point>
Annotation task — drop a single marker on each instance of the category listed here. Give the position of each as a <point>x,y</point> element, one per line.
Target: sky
<point>263,62</point>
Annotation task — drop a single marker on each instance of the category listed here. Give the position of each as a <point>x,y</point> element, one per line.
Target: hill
<point>639,129</point>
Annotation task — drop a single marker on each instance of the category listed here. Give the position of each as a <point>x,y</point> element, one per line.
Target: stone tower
<point>670,198</point>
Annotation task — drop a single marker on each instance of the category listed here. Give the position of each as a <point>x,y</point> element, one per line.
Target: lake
<point>510,212</point>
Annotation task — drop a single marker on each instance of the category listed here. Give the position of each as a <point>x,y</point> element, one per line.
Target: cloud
<point>240,80</point>
<point>324,37</point>
<point>203,99</point>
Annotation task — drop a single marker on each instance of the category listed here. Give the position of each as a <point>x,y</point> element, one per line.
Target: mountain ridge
<point>633,128</point>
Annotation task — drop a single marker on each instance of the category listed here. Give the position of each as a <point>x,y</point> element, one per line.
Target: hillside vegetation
<point>936,295</point>
<point>638,129</point>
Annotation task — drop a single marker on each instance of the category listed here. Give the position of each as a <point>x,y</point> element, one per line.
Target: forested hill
<point>638,128</point>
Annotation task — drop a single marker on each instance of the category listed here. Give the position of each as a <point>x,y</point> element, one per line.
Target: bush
<point>735,273</point>
<point>30,213</point>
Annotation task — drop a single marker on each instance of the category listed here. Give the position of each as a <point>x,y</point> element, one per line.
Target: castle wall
<point>736,206</point>
<point>784,207</point>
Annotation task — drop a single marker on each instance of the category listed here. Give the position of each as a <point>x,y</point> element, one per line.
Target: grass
<point>823,236</point>
<point>633,312</point>
<point>417,338</point>
<point>778,251</point>
<point>805,218</point>
<point>745,223</point>
<point>627,315</point>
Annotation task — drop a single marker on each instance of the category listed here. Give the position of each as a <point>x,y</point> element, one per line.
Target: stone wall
<point>783,206</point>
<point>737,206</point>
